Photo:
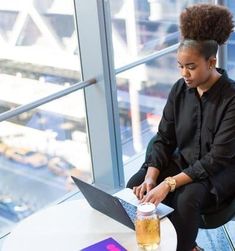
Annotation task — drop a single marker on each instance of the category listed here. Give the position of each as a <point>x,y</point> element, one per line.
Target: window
<point>141,29</point>
<point>40,148</point>
<point>231,46</point>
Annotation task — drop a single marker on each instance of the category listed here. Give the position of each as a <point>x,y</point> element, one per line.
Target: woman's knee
<point>191,196</point>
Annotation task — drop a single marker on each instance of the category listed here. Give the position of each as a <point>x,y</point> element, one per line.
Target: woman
<point>192,162</point>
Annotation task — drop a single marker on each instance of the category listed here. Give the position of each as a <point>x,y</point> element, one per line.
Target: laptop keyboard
<point>130,209</point>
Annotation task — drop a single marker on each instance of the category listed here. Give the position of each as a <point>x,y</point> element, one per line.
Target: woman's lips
<point>188,81</point>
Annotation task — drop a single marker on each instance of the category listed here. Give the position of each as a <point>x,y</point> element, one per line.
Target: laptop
<point>116,206</point>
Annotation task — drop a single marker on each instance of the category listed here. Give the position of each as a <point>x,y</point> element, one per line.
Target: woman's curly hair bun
<point>206,22</point>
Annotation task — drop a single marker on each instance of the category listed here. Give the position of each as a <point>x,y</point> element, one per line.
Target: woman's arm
<point>159,193</point>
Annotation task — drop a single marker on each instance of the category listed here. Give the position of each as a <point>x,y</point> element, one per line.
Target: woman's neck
<point>210,82</point>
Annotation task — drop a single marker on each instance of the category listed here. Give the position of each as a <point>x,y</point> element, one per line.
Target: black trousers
<point>188,201</point>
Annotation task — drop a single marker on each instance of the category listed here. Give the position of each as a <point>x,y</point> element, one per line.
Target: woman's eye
<point>191,67</point>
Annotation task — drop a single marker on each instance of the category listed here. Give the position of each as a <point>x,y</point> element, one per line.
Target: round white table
<point>73,225</point>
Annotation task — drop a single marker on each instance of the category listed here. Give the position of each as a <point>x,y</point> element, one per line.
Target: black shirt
<point>201,129</point>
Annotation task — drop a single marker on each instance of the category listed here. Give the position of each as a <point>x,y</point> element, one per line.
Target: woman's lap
<point>188,202</point>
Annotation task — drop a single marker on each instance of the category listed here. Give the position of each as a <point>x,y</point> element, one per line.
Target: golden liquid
<point>148,233</point>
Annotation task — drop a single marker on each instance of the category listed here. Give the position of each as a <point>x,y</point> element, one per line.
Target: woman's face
<point>194,68</point>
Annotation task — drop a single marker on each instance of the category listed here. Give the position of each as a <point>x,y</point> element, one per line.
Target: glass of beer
<point>147,227</point>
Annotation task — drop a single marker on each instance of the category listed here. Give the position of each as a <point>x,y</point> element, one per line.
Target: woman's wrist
<point>152,174</point>
<point>149,179</point>
<point>166,186</point>
<point>171,183</point>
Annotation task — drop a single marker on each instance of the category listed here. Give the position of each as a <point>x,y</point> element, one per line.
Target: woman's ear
<point>212,62</point>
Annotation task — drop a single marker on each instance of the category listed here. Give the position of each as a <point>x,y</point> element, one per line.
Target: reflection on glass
<point>141,27</point>
<point>39,49</point>
<point>142,94</point>
<point>39,151</point>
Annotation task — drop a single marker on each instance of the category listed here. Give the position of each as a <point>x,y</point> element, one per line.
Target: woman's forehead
<point>188,54</point>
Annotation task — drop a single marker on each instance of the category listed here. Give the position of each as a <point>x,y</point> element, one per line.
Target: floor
<point>215,239</point>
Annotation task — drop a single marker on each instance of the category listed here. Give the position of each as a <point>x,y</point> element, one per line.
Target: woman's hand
<point>157,194</point>
<point>144,188</point>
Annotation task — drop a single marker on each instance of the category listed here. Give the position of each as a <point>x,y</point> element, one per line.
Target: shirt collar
<point>218,84</point>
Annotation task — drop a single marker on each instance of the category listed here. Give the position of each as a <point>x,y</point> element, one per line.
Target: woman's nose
<point>185,72</point>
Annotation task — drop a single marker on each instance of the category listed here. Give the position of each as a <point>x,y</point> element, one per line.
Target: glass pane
<point>141,27</point>
<point>142,94</point>
<point>39,151</point>
<point>231,45</point>
<point>230,227</point>
<point>231,71</point>
<point>40,54</point>
<point>40,148</point>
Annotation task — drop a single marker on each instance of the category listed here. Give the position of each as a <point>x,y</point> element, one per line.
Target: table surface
<point>73,225</point>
